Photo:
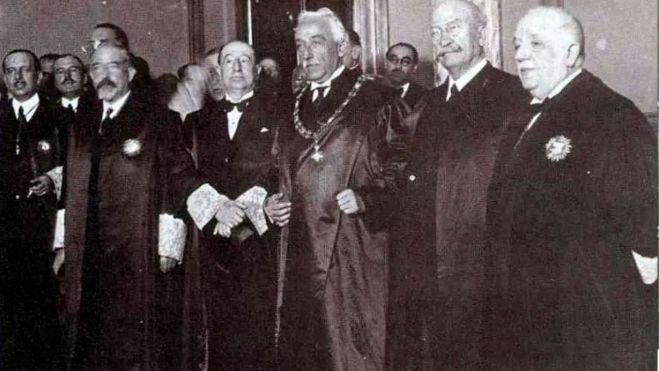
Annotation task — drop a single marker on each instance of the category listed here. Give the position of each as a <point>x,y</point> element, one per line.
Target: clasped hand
<point>40,185</point>
<point>229,215</point>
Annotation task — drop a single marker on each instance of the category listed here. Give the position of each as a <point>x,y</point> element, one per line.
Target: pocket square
<point>264,130</point>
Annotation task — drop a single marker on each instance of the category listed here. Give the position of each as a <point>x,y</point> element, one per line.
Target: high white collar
<point>73,102</point>
<point>461,82</point>
<point>328,82</point>
<point>116,106</point>
<point>245,96</point>
<point>29,106</point>
<point>559,88</point>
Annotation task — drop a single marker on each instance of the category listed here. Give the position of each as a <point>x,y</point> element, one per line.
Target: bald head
<point>549,47</point>
<point>464,7</point>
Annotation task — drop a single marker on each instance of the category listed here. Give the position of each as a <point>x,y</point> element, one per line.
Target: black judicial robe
<point>333,266</point>
<point>240,280</point>
<point>30,335</point>
<point>570,199</point>
<point>437,281</point>
<point>114,197</point>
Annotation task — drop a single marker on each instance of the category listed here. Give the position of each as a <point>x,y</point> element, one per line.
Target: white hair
<point>339,33</point>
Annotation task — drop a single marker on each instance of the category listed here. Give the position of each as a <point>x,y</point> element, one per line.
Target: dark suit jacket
<point>27,286</point>
<point>563,224</point>
<point>414,93</point>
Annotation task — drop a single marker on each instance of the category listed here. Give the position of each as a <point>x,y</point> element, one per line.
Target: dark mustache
<point>106,82</point>
<point>67,81</point>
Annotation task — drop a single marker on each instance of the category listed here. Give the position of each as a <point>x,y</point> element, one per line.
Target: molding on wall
<point>371,22</point>
<point>196,37</point>
<point>552,2</point>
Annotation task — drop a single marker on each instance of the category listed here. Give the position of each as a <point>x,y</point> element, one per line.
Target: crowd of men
<point>220,219</point>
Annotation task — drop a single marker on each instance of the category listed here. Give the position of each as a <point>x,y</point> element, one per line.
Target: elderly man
<point>573,205</point>
<point>31,153</point>
<point>401,62</point>
<point>70,79</point>
<point>333,196</point>
<point>216,86</point>
<point>232,141</point>
<point>126,178</point>
<point>437,281</point>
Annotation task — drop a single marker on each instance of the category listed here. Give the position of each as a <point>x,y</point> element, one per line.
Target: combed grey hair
<point>326,15</point>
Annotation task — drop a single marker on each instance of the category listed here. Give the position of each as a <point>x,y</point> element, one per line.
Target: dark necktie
<point>536,108</point>
<point>22,121</point>
<point>106,121</point>
<point>70,108</point>
<point>240,106</point>
<point>320,95</point>
<point>400,92</point>
<point>454,92</point>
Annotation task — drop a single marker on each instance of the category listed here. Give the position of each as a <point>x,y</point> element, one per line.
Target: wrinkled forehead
<point>66,62</point>
<point>19,59</point>
<point>401,51</point>
<point>108,53</point>
<point>237,50</point>
<point>451,12</point>
<point>313,28</point>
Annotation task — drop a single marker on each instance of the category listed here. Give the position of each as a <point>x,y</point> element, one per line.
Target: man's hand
<point>350,202</point>
<point>58,261</point>
<point>278,210</point>
<point>231,213</point>
<point>167,264</point>
<point>41,185</point>
<point>222,230</point>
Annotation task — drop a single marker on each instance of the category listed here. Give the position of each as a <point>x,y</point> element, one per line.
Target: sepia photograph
<point>329,185</point>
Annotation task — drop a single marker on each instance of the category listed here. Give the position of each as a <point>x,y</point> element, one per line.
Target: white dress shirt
<point>316,86</point>
<point>405,88</point>
<point>116,106</point>
<point>70,102</point>
<point>233,116</point>
<point>461,82</point>
<point>29,106</point>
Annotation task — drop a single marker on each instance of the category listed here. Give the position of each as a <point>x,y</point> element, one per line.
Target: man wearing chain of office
<point>334,195</point>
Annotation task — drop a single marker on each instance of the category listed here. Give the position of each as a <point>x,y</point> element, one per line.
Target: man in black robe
<point>335,194</point>
<point>127,177</point>
<point>30,154</point>
<point>573,210</point>
<point>232,141</point>
<point>437,281</point>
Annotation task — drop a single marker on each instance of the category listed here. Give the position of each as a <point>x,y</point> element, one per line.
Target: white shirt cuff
<point>58,240</point>
<point>171,237</point>
<point>203,204</point>
<point>647,267</point>
<point>56,176</point>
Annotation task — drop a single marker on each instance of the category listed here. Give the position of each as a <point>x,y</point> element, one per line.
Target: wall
<point>157,29</point>
<point>621,40</point>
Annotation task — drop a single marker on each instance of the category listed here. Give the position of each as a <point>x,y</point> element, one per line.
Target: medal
<point>317,153</point>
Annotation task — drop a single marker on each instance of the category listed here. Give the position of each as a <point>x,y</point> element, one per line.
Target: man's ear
<point>573,52</point>
<point>341,48</point>
<point>39,77</point>
<point>356,52</point>
<point>482,36</point>
<point>131,73</point>
<point>258,69</point>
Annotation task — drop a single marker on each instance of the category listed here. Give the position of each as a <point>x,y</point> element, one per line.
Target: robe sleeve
<point>385,164</point>
<point>626,179</point>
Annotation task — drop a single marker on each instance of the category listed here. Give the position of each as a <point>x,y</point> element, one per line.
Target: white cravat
<point>233,116</point>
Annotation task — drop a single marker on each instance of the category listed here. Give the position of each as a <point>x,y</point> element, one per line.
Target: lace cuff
<point>203,204</point>
<point>58,240</point>
<point>55,175</point>
<point>171,237</point>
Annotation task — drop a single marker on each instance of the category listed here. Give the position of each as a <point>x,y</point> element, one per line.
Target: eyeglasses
<point>405,61</point>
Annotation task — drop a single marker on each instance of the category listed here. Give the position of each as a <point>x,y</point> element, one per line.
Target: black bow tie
<point>240,106</point>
